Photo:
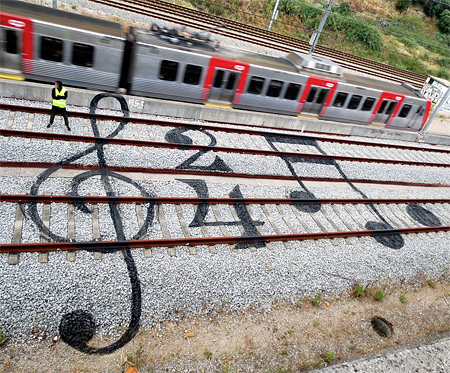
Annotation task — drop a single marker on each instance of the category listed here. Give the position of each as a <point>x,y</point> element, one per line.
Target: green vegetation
<point>402,298</point>
<point>409,34</point>
<point>207,353</point>
<point>379,295</point>
<point>328,357</point>
<point>431,283</point>
<point>359,291</point>
<point>317,300</point>
<point>3,337</point>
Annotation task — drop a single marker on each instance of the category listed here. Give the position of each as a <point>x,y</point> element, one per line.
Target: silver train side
<point>44,44</point>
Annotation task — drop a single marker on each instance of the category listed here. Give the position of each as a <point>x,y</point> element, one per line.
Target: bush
<point>403,5</point>
<point>434,9</point>
<point>343,8</point>
<point>364,33</point>
<point>444,22</point>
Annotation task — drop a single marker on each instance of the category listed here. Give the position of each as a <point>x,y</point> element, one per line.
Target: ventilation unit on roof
<point>306,61</point>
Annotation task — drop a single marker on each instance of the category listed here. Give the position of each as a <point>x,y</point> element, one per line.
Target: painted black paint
<point>422,215</point>
<point>394,240</point>
<point>78,327</point>
<point>245,219</point>
<point>177,136</point>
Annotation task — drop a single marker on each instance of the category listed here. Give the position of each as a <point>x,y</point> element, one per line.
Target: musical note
<point>78,327</point>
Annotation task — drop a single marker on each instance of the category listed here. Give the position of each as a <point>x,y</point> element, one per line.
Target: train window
<point>231,81</point>
<point>311,95</point>
<point>274,89</point>
<point>354,102</point>
<point>322,96</point>
<point>168,70</point>
<point>192,74</point>
<point>382,107</point>
<point>368,104</point>
<point>292,91</point>
<point>82,55</point>
<point>391,107</point>
<point>11,41</point>
<point>51,49</point>
<point>256,85</point>
<point>404,111</point>
<point>218,79</point>
<point>340,99</point>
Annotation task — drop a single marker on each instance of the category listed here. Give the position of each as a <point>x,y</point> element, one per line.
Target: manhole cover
<point>382,326</point>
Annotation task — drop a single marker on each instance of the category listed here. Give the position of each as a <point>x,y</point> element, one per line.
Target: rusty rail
<point>26,198</point>
<point>168,145</point>
<point>173,242</point>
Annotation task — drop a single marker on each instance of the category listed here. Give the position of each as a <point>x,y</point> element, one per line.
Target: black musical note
<point>78,327</point>
<point>394,240</point>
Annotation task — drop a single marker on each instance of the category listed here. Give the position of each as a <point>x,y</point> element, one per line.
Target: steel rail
<point>214,173</point>
<point>191,241</point>
<point>193,18</point>
<point>26,198</point>
<point>218,149</point>
<point>209,127</point>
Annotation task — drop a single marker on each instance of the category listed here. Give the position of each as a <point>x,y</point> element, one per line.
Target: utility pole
<point>274,15</point>
<point>316,35</point>
<point>441,103</point>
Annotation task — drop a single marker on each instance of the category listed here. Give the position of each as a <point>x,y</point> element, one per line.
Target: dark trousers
<point>59,110</point>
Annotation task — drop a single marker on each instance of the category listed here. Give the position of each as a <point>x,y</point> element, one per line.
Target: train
<point>43,44</point>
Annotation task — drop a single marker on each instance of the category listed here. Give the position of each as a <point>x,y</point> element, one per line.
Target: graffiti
<point>78,327</point>
<point>423,216</point>
<point>394,240</point>
<point>177,136</point>
<point>248,224</point>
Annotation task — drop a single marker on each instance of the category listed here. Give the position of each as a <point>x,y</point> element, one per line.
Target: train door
<point>10,50</point>
<point>385,111</point>
<point>315,100</point>
<point>224,85</point>
<point>225,81</point>
<point>317,95</point>
<point>386,108</point>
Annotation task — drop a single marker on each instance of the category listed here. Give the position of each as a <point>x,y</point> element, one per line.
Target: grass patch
<point>402,298</point>
<point>328,357</point>
<point>207,353</point>
<point>3,337</point>
<point>431,284</point>
<point>317,300</point>
<point>379,295</point>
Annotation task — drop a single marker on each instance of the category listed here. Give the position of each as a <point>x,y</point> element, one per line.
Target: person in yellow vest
<point>59,95</point>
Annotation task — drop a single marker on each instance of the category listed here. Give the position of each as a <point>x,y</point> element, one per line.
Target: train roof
<point>60,17</point>
<point>277,63</point>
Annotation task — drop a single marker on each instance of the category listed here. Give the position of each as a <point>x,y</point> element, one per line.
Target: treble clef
<point>78,327</point>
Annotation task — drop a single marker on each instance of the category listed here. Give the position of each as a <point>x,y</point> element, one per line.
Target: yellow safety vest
<point>60,103</point>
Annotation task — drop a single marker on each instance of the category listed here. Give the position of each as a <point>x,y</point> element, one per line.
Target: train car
<point>174,65</point>
<point>44,44</point>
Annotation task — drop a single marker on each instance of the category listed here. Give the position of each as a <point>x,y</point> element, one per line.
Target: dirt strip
<point>311,333</point>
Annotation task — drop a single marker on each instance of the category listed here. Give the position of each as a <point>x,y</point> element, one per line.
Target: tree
<point>434,8</point>
<point>444,22</point>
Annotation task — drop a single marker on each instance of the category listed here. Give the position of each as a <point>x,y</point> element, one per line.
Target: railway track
<point>201,20</point>
<point>302,225</point>
<point>188,222</point>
